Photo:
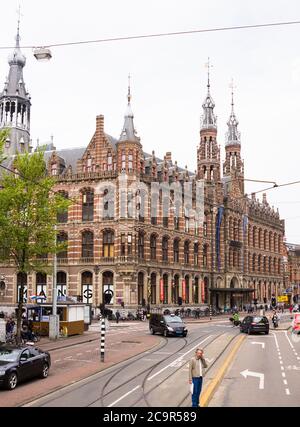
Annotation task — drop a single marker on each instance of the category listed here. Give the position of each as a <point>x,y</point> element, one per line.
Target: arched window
<point>270,241</point>
<point>206,284</point>
<point>165,244</point>
<point>88,206</point>
<point>279,266</point>
<point>235,230</point>
<point>230,229</point>
<point>205,225</point>
<point>186,252</point>
<point>109,162</point>
<point>275,242</point>
<point>270,265</point>
<point>141,245</point>
<point>176,250</point>
<point>265,239</point>
<point>153,246</point>
<point>254,237</point>
<point>62,238</point>
<point>259,238</point>
<point>254,262</point>
<point>87,248</point>
<point>249,235</point>
<point>87,287</point>
<point>259,263</point>
<point>62,217</point>
<point>108,243</point>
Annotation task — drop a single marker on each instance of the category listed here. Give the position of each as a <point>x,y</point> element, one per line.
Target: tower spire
<point>15,101</point>
<point>233,136</point>
<point>128,132</point>
<point>208,119</point>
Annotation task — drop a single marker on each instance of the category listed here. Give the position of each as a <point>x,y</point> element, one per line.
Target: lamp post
<point>53,319</point>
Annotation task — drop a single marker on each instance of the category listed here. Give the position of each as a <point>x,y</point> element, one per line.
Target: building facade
<point>133,232</point>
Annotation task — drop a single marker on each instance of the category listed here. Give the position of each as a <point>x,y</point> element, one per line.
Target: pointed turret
<point>233,165</point>
<point>128,133</point>
<point>15,103</point>
<point>208,153</point>
<point>233,136</point>
<point>130,155</point>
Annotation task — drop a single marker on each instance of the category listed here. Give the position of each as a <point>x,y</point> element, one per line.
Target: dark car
<point>255,324</point>
<point>22,363</point>
<point>167,325</point>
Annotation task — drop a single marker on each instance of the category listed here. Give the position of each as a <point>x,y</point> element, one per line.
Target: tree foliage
<point>28,214</point>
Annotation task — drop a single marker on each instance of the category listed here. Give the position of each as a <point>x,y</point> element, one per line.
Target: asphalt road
<point>274,377</point>
<point>158,377</point>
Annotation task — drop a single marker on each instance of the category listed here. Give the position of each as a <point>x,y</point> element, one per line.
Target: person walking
<point>197,366</point>
<point>117,316</point>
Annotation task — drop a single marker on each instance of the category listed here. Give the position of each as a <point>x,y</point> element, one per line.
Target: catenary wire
<point>167,34</point>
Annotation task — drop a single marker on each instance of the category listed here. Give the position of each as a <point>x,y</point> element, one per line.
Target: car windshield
<point>9,355</point>
<point>173,319</point>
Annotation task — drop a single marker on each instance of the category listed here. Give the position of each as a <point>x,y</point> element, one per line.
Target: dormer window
<point>123,161</point>
<point>89,164</point>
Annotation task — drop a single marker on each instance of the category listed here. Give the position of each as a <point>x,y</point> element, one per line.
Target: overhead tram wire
<point>215,205</point>
<point>155,35</point>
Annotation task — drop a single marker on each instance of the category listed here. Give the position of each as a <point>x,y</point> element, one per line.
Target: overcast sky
<point>169,79</point>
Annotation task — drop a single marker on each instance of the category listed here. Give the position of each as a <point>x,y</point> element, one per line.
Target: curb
<point>213,385</point>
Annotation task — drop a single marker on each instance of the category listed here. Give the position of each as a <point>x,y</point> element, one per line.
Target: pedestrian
<point>117,316</point>
<point>197,366</point>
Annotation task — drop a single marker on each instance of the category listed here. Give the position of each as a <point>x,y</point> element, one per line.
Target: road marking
<point>287,391</point>
<point>285,382</point>
<point>283,374</point>
<point>179,358</point>
<point>281,362</point>
<point>149,360</point>
<point>279,357</point>
<point>260,343</point>
<point>58,360</point>
<point>282,368</point>
<point>289,340</point>
<point>68,357</point>
<point>164,352</point>
<point>78,354</point>
<point>259,375</point>
<point>124,395</point>
<point>88,351</point>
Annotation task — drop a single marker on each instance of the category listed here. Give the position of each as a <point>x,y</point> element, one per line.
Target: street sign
<point>283,298</point>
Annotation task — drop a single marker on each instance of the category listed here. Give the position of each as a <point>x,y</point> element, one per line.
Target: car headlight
<point>170,329</point>
<point>2,373</point>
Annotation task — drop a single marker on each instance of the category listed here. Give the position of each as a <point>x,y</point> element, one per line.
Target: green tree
<point>28,214</point>
<point>4,133</point>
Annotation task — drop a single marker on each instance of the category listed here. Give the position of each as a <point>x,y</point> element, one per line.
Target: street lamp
<point>42,54</point>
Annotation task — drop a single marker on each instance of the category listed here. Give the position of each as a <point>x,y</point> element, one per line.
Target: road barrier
<point>102,341</point>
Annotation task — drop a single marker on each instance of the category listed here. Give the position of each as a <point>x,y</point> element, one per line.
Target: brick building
<point>145,246</point>
<point>293,256</point>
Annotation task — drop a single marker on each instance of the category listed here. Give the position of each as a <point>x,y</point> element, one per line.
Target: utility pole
<point>53,319</point>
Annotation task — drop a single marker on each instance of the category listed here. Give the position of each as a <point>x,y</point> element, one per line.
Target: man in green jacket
<point>197,366</point>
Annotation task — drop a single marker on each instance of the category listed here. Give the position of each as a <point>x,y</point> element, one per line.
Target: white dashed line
<point>78,354</point>
<point>282,368</point>
<point>285,382</point>
<point>283,374</point>
<point>69,357</point>
<point>287,391</point>
<point>88,351</point>
<point>58,360</point>
<point>281,362</point>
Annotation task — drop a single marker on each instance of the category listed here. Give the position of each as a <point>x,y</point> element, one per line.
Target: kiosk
<point>71,317</point>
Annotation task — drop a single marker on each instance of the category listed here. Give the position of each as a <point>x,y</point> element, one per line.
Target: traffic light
<point>273,301</point>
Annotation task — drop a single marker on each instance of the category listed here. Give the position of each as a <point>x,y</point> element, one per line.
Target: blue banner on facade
<point>218,228</point>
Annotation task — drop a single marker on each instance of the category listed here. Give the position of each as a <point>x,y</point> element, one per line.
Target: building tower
<point>208,152</point>
<point>129,148</point>
<point>15,104</point>
<point>233,167</point>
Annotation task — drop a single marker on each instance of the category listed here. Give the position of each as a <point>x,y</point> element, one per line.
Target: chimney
<point>100,124</point>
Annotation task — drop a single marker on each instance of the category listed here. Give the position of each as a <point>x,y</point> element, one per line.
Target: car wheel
<point>267,333</point>
<point>165,333</point>
<point>152,331</point>
<point>45,370</point>
<point>12,381</point>
<point>184,334</point>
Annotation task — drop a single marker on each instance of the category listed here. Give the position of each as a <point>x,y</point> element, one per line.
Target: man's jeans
<point>197,382</point>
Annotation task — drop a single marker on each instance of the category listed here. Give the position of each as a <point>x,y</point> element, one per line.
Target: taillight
<point>253,323</point>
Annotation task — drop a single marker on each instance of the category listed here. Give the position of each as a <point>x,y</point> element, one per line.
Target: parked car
<point>21,363</point>
<point>255,324</point>
<point>167,325</point>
